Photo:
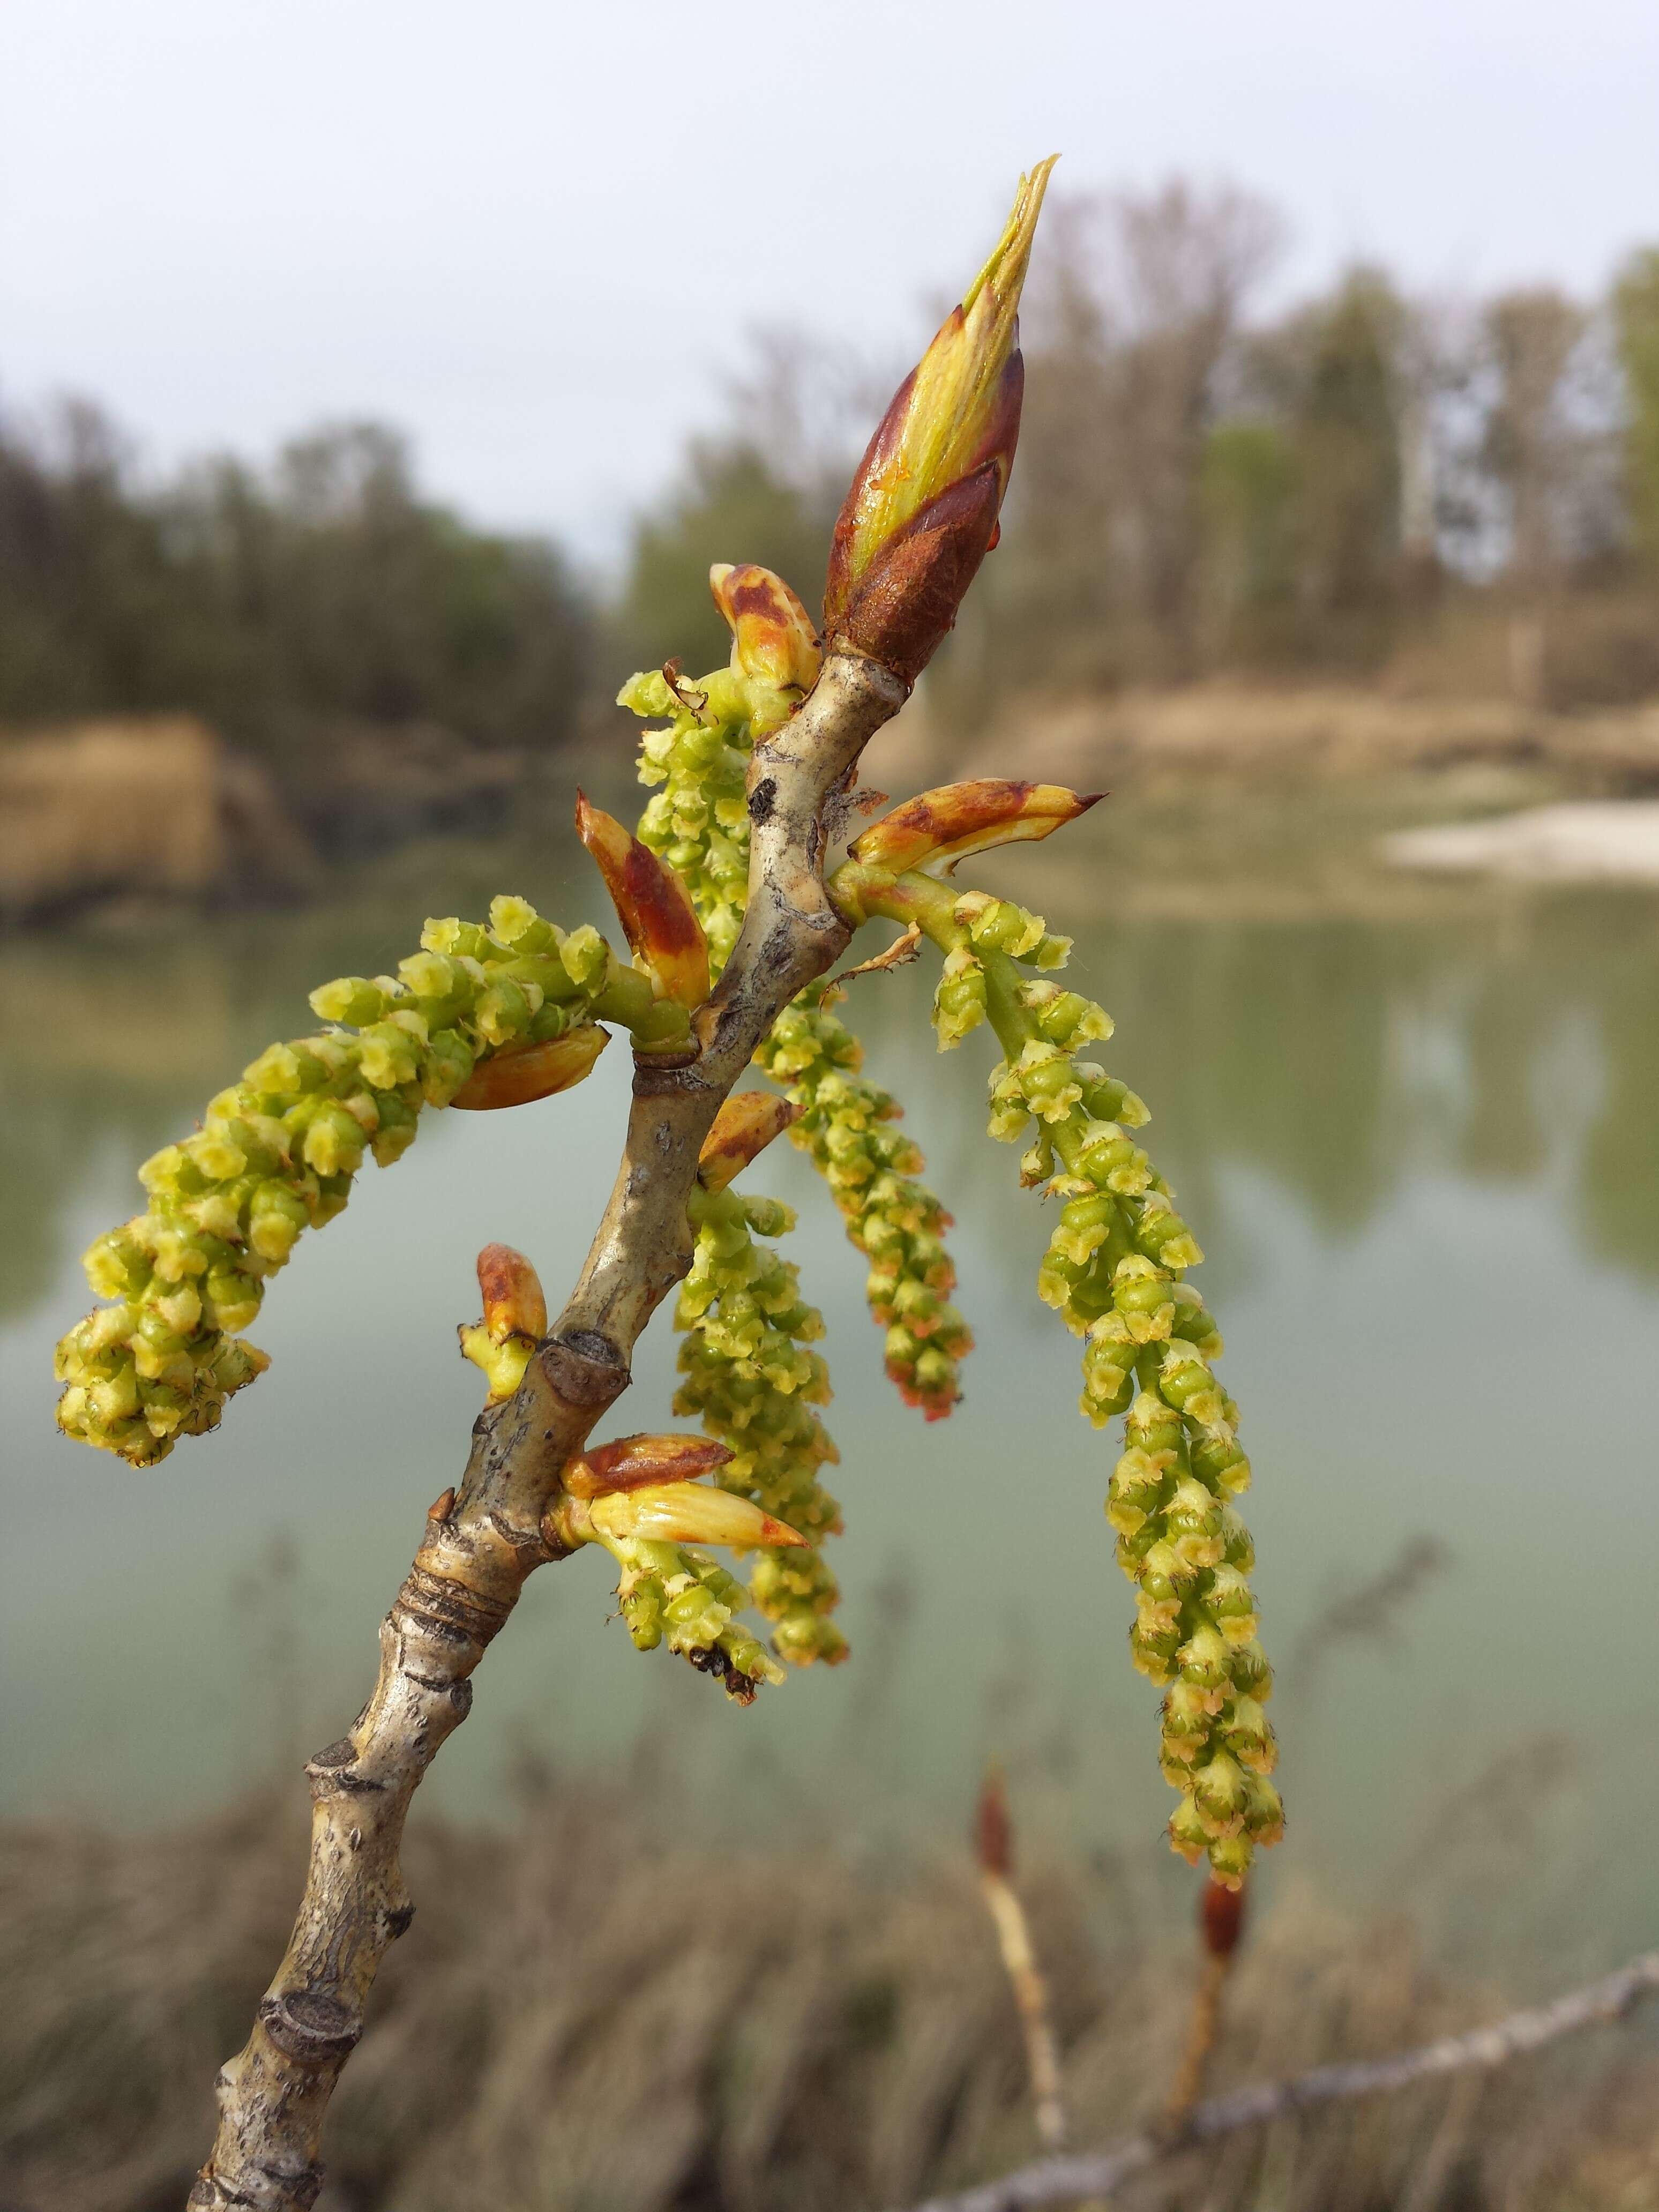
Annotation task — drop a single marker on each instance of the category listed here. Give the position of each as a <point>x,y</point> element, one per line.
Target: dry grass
<point>153,806</point>
<point>594,2013</point>
<point>1226,727</point>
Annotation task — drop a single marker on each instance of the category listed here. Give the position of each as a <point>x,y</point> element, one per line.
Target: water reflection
<point>1422,1153</point>
<point>1332,1058</point>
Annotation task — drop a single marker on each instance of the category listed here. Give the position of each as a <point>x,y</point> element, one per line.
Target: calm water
<point>1421,1146</point>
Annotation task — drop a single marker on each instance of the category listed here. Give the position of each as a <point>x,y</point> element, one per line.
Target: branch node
<point>310,2026</point>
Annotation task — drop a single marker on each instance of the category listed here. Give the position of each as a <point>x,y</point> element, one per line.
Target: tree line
<point>1461,491</point>
<point>324,588</point>
<point>1451,492</point>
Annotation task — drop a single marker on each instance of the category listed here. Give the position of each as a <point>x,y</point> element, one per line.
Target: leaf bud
<point>772,640</point>
<point>638,1461</point>
<point>938,829</point>
<point>921,512</point>
<point>654,905</point>
<point>746,1124</point>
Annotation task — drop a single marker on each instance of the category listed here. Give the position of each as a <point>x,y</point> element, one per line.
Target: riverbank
<point>113,819</point>
<point>143,813</point>
<point>1273,732</point>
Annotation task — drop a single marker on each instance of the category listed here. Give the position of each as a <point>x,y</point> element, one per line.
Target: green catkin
<point>846,1126</point>
<point>278,1149</point>
<point>748,1374</point>
<point>671,1594</point>
<point>698,822</point>
<point>1114,1271</point>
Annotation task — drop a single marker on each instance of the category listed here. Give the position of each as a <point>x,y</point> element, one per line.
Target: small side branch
<point>1060,2180</point>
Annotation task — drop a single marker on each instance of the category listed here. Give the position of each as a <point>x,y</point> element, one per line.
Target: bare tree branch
<point>483,1542</point>
<point>1058,2180</point>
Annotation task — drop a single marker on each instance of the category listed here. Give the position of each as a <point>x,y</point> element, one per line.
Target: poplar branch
<point>1100,2173</point>
<point>485,1539</point>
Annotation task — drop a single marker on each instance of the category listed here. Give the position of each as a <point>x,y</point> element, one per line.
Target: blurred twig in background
<point>1059,2180</point>
<point>1220,1924</point>
<point>993,1847</point>
<point>1367,1612</point>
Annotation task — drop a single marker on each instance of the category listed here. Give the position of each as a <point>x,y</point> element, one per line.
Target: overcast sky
<point>534,233</point>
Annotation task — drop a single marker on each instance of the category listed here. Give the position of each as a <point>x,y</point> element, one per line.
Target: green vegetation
<point>328,589</point>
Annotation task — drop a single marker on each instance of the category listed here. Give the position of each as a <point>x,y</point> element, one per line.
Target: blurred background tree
<point>326,587</point>
<point>1454,494</point>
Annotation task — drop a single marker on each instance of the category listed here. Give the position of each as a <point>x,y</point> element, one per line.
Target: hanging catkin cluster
<point>278,1149</point>
<point>846,1126</point>
<point>499,1016</point>
<point>698,822</point>
<point>1114,1270</point>
<point>749,1376</point>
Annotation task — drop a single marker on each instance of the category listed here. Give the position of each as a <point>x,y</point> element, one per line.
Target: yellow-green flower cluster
<point>672,1594</point>
<point>847,1125</point>
<point>699,823</point>
<point>278,1149</point>
<point>748,1373</point>
<point>984,924</point>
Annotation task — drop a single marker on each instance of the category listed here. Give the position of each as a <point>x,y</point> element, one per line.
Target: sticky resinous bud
<point>644,1489</point>
<point>922,513</point>
<point>745,1125</point>
<point>774,648</point>
<point>514,1319</point>
<point>653,906</point>
<point>937,829</point>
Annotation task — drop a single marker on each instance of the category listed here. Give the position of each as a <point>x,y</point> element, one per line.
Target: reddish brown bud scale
<point>907,605</point>
<point>1221,1917</point>
<point>633,1462</point>
<point>994,1827</point>
<point>678,1513</point>
<point>514,1303</point>
<point>523,1073</point>
<point>745,1125</point>
<point>653,904</point>
<point>773,638</point>
<point>921,512</point>
<point>948,824</point>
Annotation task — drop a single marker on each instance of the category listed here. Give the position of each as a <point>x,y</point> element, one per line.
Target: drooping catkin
<point>278,1149</point>
<point>1114,1270</point>
<point>747,1371</point>
<point>699,823</point>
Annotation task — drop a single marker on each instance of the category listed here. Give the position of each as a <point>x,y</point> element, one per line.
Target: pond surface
<point>1419,1138</point>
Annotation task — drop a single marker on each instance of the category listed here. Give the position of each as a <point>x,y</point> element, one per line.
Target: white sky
<point>534,233</point>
